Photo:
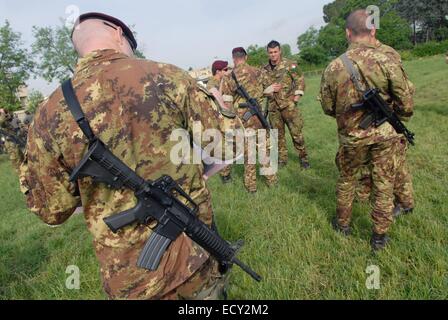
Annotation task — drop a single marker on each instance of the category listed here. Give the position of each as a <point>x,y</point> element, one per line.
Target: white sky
<point>189,33</point>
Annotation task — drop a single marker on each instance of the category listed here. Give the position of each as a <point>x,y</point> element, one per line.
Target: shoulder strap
<point>354,73</point>
<point>76,110</point>
<point>235,78</point>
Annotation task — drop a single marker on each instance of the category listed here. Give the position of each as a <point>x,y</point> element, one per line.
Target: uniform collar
<point>278,65</point>
<point>98,56</point>
<point>362,44</point>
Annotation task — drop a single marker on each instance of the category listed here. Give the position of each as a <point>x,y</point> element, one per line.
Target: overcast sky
<point>189,33</point>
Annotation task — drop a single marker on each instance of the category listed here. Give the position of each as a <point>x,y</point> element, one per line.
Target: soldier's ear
<point>373,32</point>
<point>348,34</point>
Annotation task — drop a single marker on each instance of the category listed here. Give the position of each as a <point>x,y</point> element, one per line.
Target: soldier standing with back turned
<point>376,147</point>
<point>133,106</point>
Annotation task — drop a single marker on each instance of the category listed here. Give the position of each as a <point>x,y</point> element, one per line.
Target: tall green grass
<point>289,239</point>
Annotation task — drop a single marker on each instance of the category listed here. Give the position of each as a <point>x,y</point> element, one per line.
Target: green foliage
<point>308,39</point>
<point>15,66</point>
<point>332,39</point>
<point>428,18</point>
<point>35,98</point>
<point>395,31</point>
<point>53,47</point>
<point>430,49</point>
<point>287,229</point>
<point>257,56</point>
<point>316,55</point>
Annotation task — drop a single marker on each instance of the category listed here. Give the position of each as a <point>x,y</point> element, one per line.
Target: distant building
<point>22,95</point>
<point>202,76</point>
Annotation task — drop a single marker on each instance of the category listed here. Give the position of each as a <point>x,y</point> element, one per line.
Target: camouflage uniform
<point>403,188</point>
<point>249,78</point>
<point>375,147</point>
<point>282,108</point>
<point>215,83</point>
<point>12,149</point>
<point>133,105</point>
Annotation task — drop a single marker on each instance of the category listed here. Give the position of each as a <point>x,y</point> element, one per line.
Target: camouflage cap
<point>101,16</point>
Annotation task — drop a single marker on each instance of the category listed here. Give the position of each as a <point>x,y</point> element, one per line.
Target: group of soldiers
<point>13,135</point>
<point>133,105</point>
<point>278,87</point>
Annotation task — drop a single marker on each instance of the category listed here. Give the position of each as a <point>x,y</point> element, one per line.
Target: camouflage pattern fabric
<point>403,189</point>
<point>381,157</point>
<point>249,78</point>
<point>133,105</point>
<point>376,148</point>
<point>292,118</point>
<point>14,152</point>
<point>403,186</point>
<point>283,110</point>
<point>206,284</point>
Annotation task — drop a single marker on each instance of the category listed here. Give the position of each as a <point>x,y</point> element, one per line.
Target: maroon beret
<point>96,15</point>
<point>239,50</point>
<point>219,65</point>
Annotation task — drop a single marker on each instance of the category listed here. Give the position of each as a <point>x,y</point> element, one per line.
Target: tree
<point>57,57</point>
<point>15,66</point>
<point>333,40</point>
<point>257,56</point>
<point>428,18</point>
<point>35,98</point>
<point>395,31</point>
<point>308,39</point>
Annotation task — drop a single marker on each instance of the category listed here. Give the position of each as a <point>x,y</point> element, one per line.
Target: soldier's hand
<point>277,87</point>
<point>297,99</point>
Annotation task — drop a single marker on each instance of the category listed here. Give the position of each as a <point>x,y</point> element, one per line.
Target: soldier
<point>12,147</point>
<point>219,70</point>
<point>133,105</point>
<point>249,78</point>
<point>285,86</point>
<point>403,187</point>
<point>376,147</point>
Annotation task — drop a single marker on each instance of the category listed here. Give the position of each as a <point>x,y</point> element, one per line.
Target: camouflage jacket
<point>382,68</point>
<point>215,83</point>
<point>289,74</point>
<point>133,106</point>
<point>249,78</point>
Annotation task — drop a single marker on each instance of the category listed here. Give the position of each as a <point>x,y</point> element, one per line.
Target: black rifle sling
<point>76,110</point>
<point>354,73</point>
<point>249,114</point>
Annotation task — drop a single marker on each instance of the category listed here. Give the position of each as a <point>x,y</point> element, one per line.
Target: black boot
<point>304,163</point>
<point>346,231</point>
<point>226,179</point>
<point>400,211</point>
<point>379,241</point>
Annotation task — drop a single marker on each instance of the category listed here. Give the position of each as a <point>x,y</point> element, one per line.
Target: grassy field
<point>287,230</point>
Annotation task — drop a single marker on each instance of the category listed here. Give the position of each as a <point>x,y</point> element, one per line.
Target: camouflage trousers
<point>403,187</point>
<point>226,172</point>
<point>15,155</point>
<point>291,117</point>
<point>381,158</point>
<point>206,284</point>
<point>250,170</point>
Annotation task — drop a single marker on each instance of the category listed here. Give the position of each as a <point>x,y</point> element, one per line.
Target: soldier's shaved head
<point>357,23</point>
<point>358,27</point>
<point>96,34</point>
